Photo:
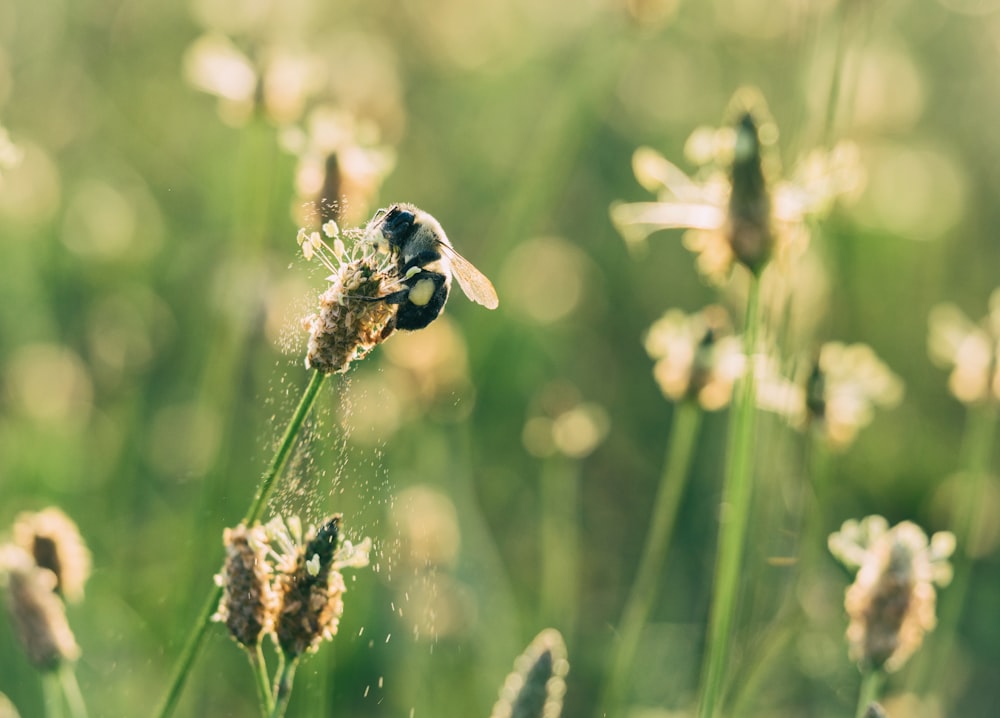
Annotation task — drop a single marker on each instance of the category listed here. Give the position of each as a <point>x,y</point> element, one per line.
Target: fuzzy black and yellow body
<point>425,262</point>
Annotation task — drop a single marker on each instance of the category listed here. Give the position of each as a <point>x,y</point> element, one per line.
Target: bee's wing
<point>473,282</point>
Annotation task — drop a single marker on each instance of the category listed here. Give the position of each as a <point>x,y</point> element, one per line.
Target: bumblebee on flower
<point>348,324</point>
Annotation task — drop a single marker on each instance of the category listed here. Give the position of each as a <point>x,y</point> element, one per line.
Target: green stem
<point>261,679</point>
<point>71,689</point>
<point>53,695</point>
<point>966,523</point>
<point>283,687</point>
<point>871,690</point>
<point>736,494</point>
<point>560,489</point>
<point>673,480</point>
<point>790,617</point>
<point>278,462</point>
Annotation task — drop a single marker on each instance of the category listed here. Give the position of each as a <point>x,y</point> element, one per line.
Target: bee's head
<point>393,226</point>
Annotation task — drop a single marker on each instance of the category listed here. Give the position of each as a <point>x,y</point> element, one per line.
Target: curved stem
<point>261,679</point>
<point>283,687</point>
<point>680,447</point>
<point>278,462</point>
<point>736,493</point>
<point>52,695</point>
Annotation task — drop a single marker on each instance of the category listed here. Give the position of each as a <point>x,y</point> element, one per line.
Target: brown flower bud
<point>749,218</point>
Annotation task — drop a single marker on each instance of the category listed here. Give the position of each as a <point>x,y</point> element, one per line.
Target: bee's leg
<point>394,298</point>
<point>389,328</point>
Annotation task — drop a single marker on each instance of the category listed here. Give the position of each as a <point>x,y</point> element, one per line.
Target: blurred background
<point>151,350</point>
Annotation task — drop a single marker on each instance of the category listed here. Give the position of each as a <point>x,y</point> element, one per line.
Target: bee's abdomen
<point>428,300</point>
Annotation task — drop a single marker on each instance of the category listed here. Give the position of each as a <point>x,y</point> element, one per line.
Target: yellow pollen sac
<point>422,292</point>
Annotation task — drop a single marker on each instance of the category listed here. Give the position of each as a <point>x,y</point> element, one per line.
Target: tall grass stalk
<point>261,679</point>
<point>966,523</point>
<point>871,689</point>
<point>71,689</point>
<point>560,489</point>
<point>673,480</point>
<point>52,695</point>
<point>733,520</point>
<point>283,687</point>
<point>278,462</point>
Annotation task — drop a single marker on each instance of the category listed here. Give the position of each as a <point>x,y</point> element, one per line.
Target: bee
<point>425,262</point>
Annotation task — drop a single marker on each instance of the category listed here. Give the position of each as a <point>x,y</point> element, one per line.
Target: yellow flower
<point>736,210</point>
<point>891,602</point>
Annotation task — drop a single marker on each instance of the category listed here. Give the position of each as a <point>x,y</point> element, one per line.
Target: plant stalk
<point>966,523</point>
<point>52,695</point>
<point>871,689</point>
<point>71,689</point>
<point>673,481</point>
<point>283,687</point>
<point>261,679</point>
<point>560,584</point>
<point>278,462</point>
<point>736,494</point>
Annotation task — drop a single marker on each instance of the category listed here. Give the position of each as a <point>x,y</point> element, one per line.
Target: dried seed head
<point>248,602</point>
<point>536,687</point>
<point>891,602</point>
<point>54,542</point>
<point>38,614</point>
<point>309,585</point>
<point>349,324</point>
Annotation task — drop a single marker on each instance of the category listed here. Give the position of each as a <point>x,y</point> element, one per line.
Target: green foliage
<point>151,352</point>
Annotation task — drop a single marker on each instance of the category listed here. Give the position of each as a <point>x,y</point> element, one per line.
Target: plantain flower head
<point>969,349</point>
<point>891,604</point>
<point>838,398</point>
<point>38,614</point>
<point>249,603</point>
<point>737,208</point>
<point>697,356</point>
<point>54,542</point>
<point>538,684</point>
<point>351,320</point>
<point>308,583</point>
